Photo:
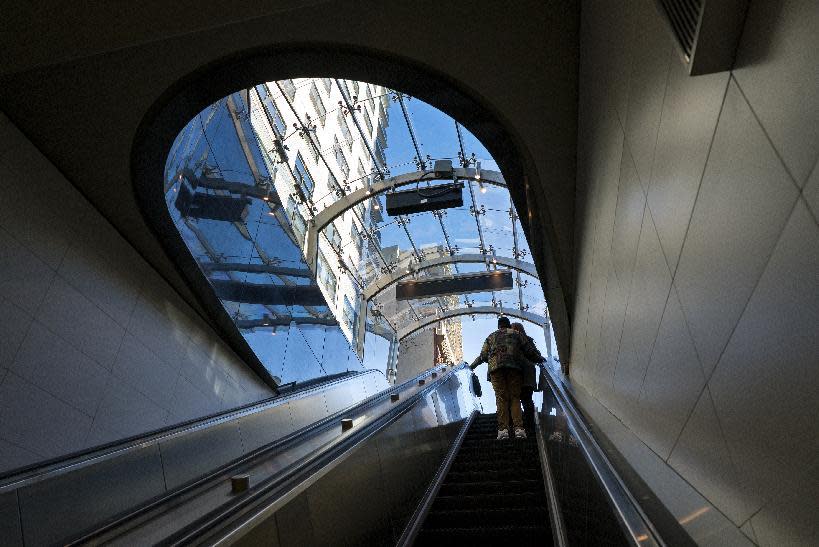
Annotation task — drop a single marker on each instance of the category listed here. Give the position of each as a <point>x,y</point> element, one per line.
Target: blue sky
<point>437,137</point>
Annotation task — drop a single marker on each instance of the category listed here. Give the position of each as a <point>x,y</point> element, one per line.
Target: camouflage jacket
<point>504,349</point>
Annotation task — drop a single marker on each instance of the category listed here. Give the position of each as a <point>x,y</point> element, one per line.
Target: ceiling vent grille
<point>706,31</point>
<point>684,17</point>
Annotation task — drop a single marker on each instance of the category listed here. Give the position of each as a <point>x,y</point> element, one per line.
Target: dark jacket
<point>529,367</point>
<point>505,348</point>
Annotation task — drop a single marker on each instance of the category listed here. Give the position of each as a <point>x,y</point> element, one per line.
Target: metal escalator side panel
<point>574,452</point>
<point>293,469</point>
<point>65,499</point>
<point>410,532</point>
<point>555,511</point>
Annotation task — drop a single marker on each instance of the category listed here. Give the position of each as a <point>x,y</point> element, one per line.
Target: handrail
<point>20,477</point>
<point>150,510</point>
<point>555,512</point>
<point>641,532</point>
<point>412,528</point>
<point>226,526</point>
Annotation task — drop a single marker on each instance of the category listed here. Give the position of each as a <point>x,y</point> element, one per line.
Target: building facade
<point>326,137</point>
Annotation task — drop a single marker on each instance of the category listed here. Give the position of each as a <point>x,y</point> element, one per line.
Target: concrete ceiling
<point>81,82</point>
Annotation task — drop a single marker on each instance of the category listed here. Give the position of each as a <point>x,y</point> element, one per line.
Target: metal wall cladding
<point>369,497</point>
<point>308,410</point>
<point>188,457</point>
<point>261,428</point>
<point>10,531</point>
<point>58,509</point>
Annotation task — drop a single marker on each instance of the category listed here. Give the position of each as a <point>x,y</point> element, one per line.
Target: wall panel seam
<point>768,138</point>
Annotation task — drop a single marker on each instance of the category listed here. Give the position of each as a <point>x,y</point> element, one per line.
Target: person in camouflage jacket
<point>503,350</point>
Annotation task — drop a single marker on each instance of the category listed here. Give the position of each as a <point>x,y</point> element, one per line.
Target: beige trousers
<point>507,383</point>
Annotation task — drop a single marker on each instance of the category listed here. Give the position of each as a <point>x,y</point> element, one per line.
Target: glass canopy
<point>278,192</point>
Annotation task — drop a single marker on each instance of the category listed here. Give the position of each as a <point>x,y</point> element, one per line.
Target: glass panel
<point>247,177</point>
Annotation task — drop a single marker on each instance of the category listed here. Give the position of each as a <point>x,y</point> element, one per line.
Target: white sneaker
<point>503,434</point>
<point>520,433</point>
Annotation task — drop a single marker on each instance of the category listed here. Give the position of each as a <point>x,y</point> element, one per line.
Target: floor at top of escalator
<point>493,494</point>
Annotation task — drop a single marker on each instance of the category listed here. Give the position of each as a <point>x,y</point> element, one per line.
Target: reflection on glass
<point>247,179</point>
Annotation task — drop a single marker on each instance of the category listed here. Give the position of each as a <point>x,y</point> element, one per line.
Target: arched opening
<point>248,177</point>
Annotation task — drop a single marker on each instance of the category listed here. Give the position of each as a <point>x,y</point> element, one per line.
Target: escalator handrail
<point>632,518</point>
<point>555,512</point>
<point>222,526</point>
<point>416,521</point>
<point>146,510</point>
<point>24,476</point>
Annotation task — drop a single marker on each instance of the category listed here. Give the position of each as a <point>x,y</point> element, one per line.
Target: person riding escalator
<point>529,369</point>
<point>504,351</point>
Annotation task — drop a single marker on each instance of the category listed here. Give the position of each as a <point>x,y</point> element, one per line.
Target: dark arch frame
<point>190,95</point>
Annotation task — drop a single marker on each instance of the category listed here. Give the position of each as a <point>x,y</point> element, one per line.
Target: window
<point>332,184</point>
<point>289,89</point>
<point>380,135</point>
<point>367,122</point>
<point>382,121</point>
<point>355,235</point>
<point>350,316</point>
<point>379,154</point>
<point>327,83</point>
<point>326,277</point>
<point>273,114</point>
<point>314,145</point>
<point>297,222</point>
<point>303,177</point>
<point>315,98</point>
<point>368,96</point>
<point>361,209</point>
<point>345,130</point>
<point>354,86</point>
<point>362,177</point>
<point>333,236</point>
<point>340,159</point>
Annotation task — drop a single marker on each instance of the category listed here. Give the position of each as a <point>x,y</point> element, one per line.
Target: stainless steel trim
<point>641,532</point>
<point>555,513</point>
<point>417,520</point>
<point>74,462</point>
<point>184,494</point>
<point>316,469</point>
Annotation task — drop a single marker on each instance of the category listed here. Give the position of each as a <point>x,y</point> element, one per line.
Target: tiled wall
<point>94,345</point>
<point>697,307</point>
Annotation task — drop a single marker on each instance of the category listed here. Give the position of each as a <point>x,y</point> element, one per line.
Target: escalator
<point>347,461</point>
<point>494,492</point>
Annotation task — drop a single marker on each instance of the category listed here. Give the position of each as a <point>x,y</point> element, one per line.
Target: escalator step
<point>502,499</point>
<point>498,450</point>
<point>497,535</point>
<point>490,487</point>
<point>497,469</point>
<point>496,475</point>
<point>493,494</point>
<point>497,453</point>
<point>502,516</point>
<point>497,464</point>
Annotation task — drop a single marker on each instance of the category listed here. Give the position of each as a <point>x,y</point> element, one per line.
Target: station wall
<point>697,252</point>
<point>94,345</point>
